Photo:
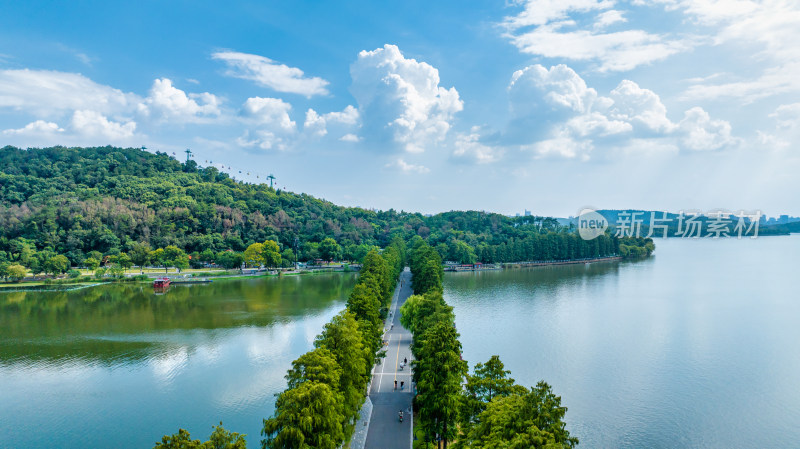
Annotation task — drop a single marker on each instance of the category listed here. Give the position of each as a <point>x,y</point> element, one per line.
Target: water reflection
<point>118,366</point>
<point>124,322</point>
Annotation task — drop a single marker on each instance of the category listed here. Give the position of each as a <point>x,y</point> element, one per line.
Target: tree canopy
<point>95,202</point>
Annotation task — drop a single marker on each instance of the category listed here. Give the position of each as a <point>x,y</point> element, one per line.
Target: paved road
<point>385,429</point>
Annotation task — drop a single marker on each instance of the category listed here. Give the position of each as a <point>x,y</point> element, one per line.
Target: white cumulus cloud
<point>405,167</point>
<point>272,113</point>
<point>47,93</point>
<point>268,73</point>
<point>702,133</point>
<point>543,97</point>
<point>555,114</point>
<point>37,128</point>
<point>469,147</point>
<point>317,124</point>
<point>639,106</point>
<point>787,115</point>
<point>771,26</point>
<point>350,138</point>
<point>608,18</point>
<point>95,125</point>
<point>545,28</point>
<point>400,98</point>
<point>172,103</point>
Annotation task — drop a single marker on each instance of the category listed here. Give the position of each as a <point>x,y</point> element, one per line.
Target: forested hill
<point>73,201</point>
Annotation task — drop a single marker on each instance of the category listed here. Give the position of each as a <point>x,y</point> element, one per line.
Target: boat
<point>161,283</point>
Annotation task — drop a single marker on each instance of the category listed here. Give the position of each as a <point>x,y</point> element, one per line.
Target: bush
<point>73,273</point>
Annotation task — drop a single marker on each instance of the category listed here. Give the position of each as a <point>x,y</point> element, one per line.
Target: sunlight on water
<point>695,347</point>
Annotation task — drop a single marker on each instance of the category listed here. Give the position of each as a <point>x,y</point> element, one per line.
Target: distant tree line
<point>488,410</point>
<point>95,203</point>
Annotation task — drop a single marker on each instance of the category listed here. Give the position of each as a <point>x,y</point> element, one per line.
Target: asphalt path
<point>391,389</point>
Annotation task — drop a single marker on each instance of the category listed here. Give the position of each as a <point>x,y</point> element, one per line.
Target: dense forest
<point>87,203</point>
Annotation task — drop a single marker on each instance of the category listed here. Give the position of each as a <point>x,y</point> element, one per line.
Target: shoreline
<point>527,264</point>
<point>39,286</point>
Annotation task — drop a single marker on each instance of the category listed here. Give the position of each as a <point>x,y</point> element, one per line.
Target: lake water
<point>696,347</point>
<point>117,366</point>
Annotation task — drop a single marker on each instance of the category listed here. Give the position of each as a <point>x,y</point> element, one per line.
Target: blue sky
<point>429,106</point>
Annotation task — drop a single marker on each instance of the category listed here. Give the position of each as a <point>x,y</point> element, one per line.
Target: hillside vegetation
<point>82,202</point>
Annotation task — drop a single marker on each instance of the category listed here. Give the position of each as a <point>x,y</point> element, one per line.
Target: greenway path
<point>385,429</point>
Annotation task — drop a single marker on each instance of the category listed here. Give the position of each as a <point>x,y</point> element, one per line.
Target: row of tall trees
<point>438,367</point>
<point>326,386</point>
<point>479,411</point>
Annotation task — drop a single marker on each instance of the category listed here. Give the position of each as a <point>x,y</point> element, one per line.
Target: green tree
<point>438,373</point>
<point>124,261</point>
<point>4,269</point>
<point>16,272</point>
<point>139,253</point>
<point>159,258</point>
<point>91,263</point>
<point>230,259</point>
<point>288,257</point>
<point>488,381</point>
<point>219,439</point>
<point>271,254</point>
<point>318,365</point>
<point>329,250</point>
<point>364,303</point>
<point>174,257</point>
<point>534,419</point>
<point>254,255</point>
<point>420,312</point>
<point>374,266</point>
<point>308,416</point>
<point>96,255</point>
<point>341,336</point>
<point>56,265</point>
<point>180,440</point>
<point>224,439</point>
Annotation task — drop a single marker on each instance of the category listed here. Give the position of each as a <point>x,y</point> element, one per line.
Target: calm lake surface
<point>117,366</point>
<point>697,347</point>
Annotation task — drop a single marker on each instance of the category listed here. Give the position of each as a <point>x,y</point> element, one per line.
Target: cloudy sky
<point>546,105</point>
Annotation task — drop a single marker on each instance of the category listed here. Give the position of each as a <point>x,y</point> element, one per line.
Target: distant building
<point>527,213</point>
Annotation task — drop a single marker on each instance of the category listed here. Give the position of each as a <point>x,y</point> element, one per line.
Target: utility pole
<point>271,178</point>
<point>296,249</point>
<point>188,154</point>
